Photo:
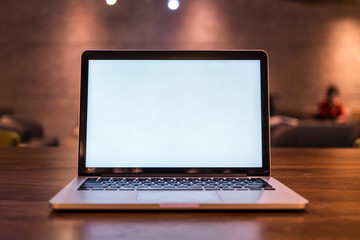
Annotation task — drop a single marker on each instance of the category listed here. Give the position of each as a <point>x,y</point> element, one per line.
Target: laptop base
<point>283,198</point>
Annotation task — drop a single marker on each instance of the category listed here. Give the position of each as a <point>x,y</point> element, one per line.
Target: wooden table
<point>329,178</point>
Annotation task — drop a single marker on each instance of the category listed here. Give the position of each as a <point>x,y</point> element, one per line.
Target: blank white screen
<point>174,113</point>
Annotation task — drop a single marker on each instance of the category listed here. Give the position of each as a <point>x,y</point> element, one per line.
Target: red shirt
<point>332,109</point>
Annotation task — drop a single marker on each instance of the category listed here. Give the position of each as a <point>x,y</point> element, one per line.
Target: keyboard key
<point>127,188</point>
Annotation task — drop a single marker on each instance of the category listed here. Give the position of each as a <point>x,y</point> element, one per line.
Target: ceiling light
<point>110,2</point>
<point>173,4</point>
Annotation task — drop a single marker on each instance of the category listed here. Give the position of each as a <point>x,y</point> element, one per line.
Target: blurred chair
<point>9,139</point>
<point>315,134</point>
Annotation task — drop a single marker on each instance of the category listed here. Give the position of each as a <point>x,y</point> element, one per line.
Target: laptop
<point>172,130</point>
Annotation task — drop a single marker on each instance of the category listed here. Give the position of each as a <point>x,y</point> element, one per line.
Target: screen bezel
<point>174,55</point>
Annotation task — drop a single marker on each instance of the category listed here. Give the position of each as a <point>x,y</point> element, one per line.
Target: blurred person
<point>331,107</point>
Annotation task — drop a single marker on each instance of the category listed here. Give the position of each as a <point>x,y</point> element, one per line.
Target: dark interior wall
<point>310,44</point>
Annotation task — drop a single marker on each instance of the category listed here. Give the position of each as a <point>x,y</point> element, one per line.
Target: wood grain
<point>329,178</point>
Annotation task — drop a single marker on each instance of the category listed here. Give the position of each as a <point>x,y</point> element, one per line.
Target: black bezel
<point>176,55</point>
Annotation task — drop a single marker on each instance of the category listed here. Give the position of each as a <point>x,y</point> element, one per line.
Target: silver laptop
<point>174,130</point>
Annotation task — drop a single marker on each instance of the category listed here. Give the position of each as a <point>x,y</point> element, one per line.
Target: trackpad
<point>178,197</point>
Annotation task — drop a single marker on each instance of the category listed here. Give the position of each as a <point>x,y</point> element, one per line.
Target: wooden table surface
<point>329,178</point>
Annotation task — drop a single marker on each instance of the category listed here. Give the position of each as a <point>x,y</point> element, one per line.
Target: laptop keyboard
<point>196,184</point>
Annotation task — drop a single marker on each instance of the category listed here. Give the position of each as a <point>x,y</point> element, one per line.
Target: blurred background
<point>311,44</point>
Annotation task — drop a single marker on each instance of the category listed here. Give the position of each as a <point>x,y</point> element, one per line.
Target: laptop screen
<point>174,114</point>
